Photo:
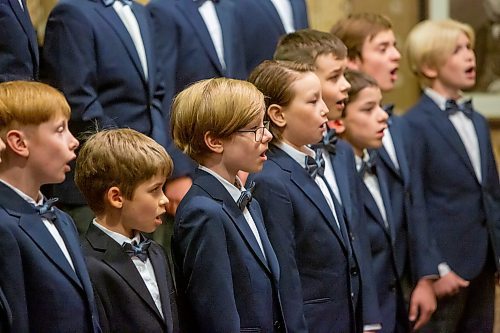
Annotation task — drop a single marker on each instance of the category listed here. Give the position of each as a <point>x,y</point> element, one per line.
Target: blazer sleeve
<point>203,268</point>
<point>70,63</point>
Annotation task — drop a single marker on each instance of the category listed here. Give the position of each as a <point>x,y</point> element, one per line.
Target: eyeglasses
<point>259,131</point>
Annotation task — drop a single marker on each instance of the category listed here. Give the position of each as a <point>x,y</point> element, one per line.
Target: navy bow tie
<point>328,142</point>
<point>368,166</point>
<point>47,210</point>
<point>315,166</point>
<point>246,196</point>
<point>451,107</point>
<point>138,250</point>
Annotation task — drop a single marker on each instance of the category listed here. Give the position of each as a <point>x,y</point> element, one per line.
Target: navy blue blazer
<point>262,27</point>
<point>320,289</point>
<point>224,282</point>
<point>43,292</point>
<point>90,56</point>
<point>185,42</point>
<point>124,302</point>
<point>5,314</point>
<point>18,43</point>
<point>463,214</point>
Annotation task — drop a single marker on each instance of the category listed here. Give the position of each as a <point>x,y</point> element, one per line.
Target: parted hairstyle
<point>358,81</point>
<point>218,106</point>
<point>304,46</point>
<point>430,43</point>
<point>121,157</point>
<point>355,29</point>
<point>275,80</point>
<point>29,103</point>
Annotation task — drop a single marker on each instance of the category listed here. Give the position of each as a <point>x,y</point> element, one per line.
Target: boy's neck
<point>220,168</point>
<point>23,182</point>
<point>445,91</point>
<point>113,222</point>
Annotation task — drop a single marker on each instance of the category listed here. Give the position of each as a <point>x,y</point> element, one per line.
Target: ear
<point>17,142</point>
<point>354,63</point>
<point>338,125</point>
<point>429,71</point>
<point>213,143</point>
<point>276,115</point>
<point>114,197</point>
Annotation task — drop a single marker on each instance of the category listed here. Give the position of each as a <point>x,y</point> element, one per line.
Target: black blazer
<point>124,302</point>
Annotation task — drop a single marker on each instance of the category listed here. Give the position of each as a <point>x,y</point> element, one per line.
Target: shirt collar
<point>440,100</point>
<point>234,191</point>
<point>295,154</point>
<point>24,195</point>
<point>360,160</point>
<point>119,238</point>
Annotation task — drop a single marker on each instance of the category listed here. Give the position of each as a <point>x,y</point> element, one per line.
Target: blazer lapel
<point>272,260</point>
<point>372,208</point>
<point>339,167</point>
<point>109,14</point>
<point>141,15</point>
<point>36,230</point>
<point>439,120</point>
<point>384,193</point>
<point>397,139</point>
<point>162,279</point>
<point>213,187</point>
<point>482,133</point>
<point>271,11</point>
<point>308,187</point>
<point>227,24</point>
<point>24,19</point>
<point>190,10</point>
<point>386,159</point>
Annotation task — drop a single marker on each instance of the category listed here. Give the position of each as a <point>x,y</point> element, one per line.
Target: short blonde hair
<point>29,103</point>
<point>121,157</point>
<point>220,106</point>
<point>431,43</point>
<point>356,29</point>
<point>274,79</point>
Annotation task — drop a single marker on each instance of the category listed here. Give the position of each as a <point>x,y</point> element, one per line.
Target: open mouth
<point>394,74</point>
<point>341,104</point>
<point>471,71</point>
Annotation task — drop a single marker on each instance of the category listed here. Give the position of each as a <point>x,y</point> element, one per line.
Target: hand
<point>422,303</point>
<point>175,190</point>
<point>449,284</point>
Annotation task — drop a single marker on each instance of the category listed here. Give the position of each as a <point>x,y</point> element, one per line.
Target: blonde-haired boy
<point>226,270</point>
<point>44,277</point>
<point>122,173</point>
<point>455,166</point>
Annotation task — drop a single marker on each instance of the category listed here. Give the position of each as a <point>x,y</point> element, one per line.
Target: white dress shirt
<point>209,15</point>
<point>235,193</point>
<point>465,129</point>
<point>146,269</point>
<point>285,11</point>
<point>128,18</point>
<point>48,224</point>
<point>389,147</point>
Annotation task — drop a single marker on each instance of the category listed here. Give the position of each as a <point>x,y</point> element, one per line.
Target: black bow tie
<point>368,166</point>
<point>328,142</point>
<point>451,107</point>
<point>315,166</point>
<point>47,210</point>
<point>246,196</point>
<point>138,250</point>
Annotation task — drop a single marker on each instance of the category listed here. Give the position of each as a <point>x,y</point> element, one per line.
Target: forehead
<point>380,38</point>
<point>329,62</point>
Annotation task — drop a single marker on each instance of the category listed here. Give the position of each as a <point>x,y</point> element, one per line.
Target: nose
<point>163,200</point>
<point>323,108</point>
<point>395,55</point>
<point>382,116</point>
<point>344,84</point>
<point>268,136</point>
<point>74,143</point>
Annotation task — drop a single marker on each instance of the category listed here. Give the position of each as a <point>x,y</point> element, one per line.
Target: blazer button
<point>392,286</point>
<point>351,236</point>
<point>277,326</point>
<point>354,271</point>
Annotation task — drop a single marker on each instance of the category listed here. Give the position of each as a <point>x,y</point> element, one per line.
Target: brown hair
<point>355,29</point>
<point>274,79</point>
<point>304,46</point>
<point>220,106</point>
<point>358,81</point>
<point>29,103</point>
<point>123,158</point>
